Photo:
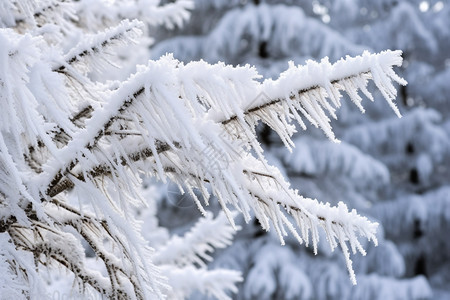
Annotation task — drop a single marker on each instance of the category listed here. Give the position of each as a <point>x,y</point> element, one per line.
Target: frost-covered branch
<point>272,200</point>
<point>320,81</point>
<point>66,137</point>
<point>96,45</point>
<point>213,283</point>
<point>171,15</point>
<point>308,98</point>
<point>194,246</point>
<point>56,247</point>
<point>305,90</point>
<point>44,9</point>
<point>48,241</point>
<point>193,249</point>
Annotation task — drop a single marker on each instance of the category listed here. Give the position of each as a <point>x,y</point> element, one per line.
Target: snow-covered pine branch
<point>272,201</point>
<point>193,249</point>
<point>44,11</point>
<point>65,137</point>
<point>239,182</point>
<point>308,97</point>
<point>170,14</point>
<point>93,48</point>
<point>209,233</point>
<point>184,281</point>
<point>305,89</point>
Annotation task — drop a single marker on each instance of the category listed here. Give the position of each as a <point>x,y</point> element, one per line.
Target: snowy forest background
<point>396,171</point>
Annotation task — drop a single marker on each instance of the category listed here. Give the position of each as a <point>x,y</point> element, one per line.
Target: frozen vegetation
<point>217,149</point>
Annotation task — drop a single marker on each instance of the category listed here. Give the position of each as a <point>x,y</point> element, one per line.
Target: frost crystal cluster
<point>76,140</point>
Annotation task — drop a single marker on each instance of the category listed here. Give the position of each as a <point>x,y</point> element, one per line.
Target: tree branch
<point>99,42</point>
<point>254,109</point>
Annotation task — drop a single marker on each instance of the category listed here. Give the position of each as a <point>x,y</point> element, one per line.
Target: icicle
<point>348,261</point>
<point>352,90</point>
